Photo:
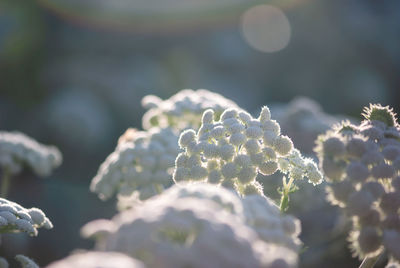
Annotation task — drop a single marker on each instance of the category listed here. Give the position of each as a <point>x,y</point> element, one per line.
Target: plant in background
<point>17,151</point>
<point>183,110</point>
<point>362,167</point>
<point>231,152</point>
<point>201,225</point>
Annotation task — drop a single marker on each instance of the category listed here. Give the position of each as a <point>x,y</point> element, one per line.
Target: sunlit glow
<point>266,28</point>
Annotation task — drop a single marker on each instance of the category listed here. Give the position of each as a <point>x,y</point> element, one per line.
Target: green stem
<point>5,183</point>
<point>285,195</point>
<point>369,262</point>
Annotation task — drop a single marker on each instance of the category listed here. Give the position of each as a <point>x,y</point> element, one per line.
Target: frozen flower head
<point>14,218</point>
<point>18,150</point>
<point>97,259</point>
<point>234,149</point>
<point>142,163</point>
<point>187,226</point>
<point>361,163</point>
<point>183,110</point>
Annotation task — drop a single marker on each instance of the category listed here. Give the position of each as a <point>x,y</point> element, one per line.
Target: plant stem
<point>285,195</point>
<point>5,183</point>
<point>369,262</point>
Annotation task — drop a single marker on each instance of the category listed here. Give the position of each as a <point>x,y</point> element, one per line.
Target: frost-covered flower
<point>97,259</point>
<point>183,110</point>
<point>15,218</point>
<point>233,150</point>
<point>196,225</point>
<point>18,150</point>
<point>142,162</point>
<point>360,163</point>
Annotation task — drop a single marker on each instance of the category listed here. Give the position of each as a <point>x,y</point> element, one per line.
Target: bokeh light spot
<point>266,28</point>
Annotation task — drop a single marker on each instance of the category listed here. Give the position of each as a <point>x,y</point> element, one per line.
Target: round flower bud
<point>217,132</point>
<point>214,177</point>
<point>271,125</point>
<point>390,202</point>
<point>334,147</point>
<point>198,172</point>
<point>180,174</point>
<point>245,117</point>
<point>283,145</point>
<point>258,159</point>
<point>372,132</point>
<point>237,139</point>
<point>265,114</point>
<point>391,152</point>
<point>208,116</point>
<point>212,165</point>
<point>228,183</point>
<point>226,152</point>
<point>269,138</point>
<point>357,171</point>
<point>246,175</point>
<point>243,160</point>
<point>369,239</point>
<point>254,188</point>
<point>356,147</point>
<point>359,203</point>
<point>339,192</point>
<point>252,146</point>
<point>186,137</point>
<point>333,170</point>
<point>229,113</point>
<point>254,132</point>
<point>382,170</point>
<point>375,188</point>
<point>372,218</point>
<point>229,170</point>
<point>268,168</point>
<point>372,157</point>
<point>269,153</point>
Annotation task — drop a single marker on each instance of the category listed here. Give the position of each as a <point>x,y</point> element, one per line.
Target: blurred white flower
<point>18,150</point>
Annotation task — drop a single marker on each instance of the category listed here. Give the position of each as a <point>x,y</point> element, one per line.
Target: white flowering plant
<point>189,192</point>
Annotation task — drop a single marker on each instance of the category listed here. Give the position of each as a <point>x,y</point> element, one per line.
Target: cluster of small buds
<point>194,225</point>
<point>362,166</point>
<point>97,259</point>
<point>182,110</point>
<point>233,150</point>
<point>15,218</point>
<point>24,261</point>
<point>142,162</point>
<point>18,150</point>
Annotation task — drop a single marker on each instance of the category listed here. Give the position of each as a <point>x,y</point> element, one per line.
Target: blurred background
<point>73,72</point>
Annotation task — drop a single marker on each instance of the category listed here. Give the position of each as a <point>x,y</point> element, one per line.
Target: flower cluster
<point>18,150</point>
<point>97,259</point>
<point>15,218</point>
<point>362,166</point>
<point>197,225</point>
<point>142,163</point>
<point>182,110</point>
<point>233,150</point>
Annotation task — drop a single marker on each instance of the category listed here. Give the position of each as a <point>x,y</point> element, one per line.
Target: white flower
<point>360,165</point>
<point>142,162</point>
<point>239,147</point>
<point>97,259</point>
<point>201,225</point>
<point>18,150</point>
<point>183,110</point>
<point>15,218</point>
